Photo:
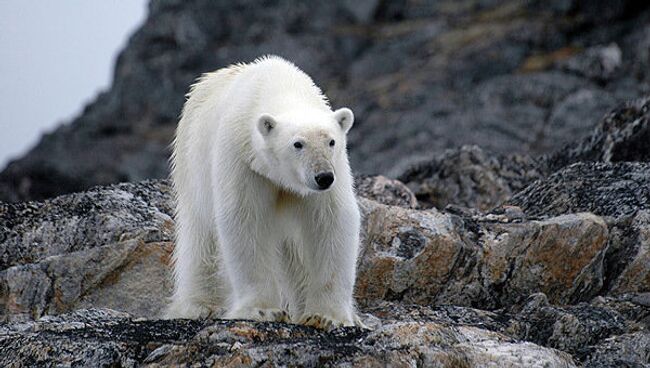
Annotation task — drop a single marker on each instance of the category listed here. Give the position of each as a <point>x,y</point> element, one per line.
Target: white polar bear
<point>267,220</point>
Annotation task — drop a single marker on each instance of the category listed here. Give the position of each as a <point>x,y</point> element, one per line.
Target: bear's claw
<point>261,315</point>
<point>322,322</point>
<point>281,316</point>
<point>271,315</point>
<point>328,323</point>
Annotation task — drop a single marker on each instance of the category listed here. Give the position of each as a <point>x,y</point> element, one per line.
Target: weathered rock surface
<point>509,76</point>
<point>620,192</point>
<point>106,247</point>
<point>99,337</point>
<point>387,191</point>
<point>587,272</point>
<point>470,178</point>
<point>402,335</point>
<point>616,190</point>
<point>487,255</point>
<point>434,258</point>
<point>407,255</point>
<point>622,135</point>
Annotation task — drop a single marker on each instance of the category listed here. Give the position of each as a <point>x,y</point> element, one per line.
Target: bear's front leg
<point>250,263</point>
<point>330,266</point>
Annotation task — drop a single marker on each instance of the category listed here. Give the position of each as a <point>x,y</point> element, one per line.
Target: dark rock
<point>422,77</point>
<point>386,191</point>
<point>622,135</point>
<point>630,350</point>
<point>573,329</point>
<point>100,337</point>
<point>599,63</point>
<point>469,177</point>
<point>445,336</point>
<point>616,190</point>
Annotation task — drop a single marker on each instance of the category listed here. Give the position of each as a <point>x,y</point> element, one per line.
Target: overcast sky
<point>55,56</point>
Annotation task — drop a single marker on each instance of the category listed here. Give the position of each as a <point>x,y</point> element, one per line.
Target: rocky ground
<point>511,227</point>
<point>511,76</point>
<point>507,261</point>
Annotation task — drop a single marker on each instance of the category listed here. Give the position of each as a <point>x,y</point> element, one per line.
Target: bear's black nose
<point>324,180</point>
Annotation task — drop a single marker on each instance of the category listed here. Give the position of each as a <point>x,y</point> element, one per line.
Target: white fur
<point>254,235</point>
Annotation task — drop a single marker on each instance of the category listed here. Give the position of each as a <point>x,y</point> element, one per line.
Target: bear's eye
<point>332,143</point>
<point>298,145</point>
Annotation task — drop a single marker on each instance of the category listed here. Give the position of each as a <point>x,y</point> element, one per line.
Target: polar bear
<point>267,224</point>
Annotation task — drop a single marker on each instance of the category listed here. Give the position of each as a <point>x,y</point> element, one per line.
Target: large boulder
<point>107,246</point>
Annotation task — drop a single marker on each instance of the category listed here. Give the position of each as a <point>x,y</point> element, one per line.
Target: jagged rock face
<point>469,177</point>
<point>509,76</point>
<point>622,135</point>
<point>111,248</point>
<point>616,190</point>
<point>430,258</point>
<point>477,260</point>
<point>434,258</point>
<point>107,246</point>
<point>387,191</point>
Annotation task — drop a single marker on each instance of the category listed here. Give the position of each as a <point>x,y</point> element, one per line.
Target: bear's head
<point>303,151</point>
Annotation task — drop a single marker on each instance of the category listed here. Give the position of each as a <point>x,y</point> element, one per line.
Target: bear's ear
<point>265,124</point>
<point>345,118</point>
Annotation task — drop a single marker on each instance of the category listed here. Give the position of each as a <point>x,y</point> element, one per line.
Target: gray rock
<point>574,329</point>
<point>408,255</point>
<point>100,337</point>
<point>619,189</point>
<point>108,246</point>
<point>599,63</point>
<point>34,231</point>
<point>469,177</point>
<point>421,76</point>
<point>402,334</point>
<point>630,350</point>
<point>622,135</point>
<point>386,191</point>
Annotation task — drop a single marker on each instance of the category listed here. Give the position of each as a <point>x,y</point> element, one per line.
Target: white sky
<point>55,56</point>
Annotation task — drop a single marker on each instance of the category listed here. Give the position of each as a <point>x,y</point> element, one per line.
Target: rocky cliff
<point>511,76</point>
<point>511,228</point>
<point>556,273</point>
